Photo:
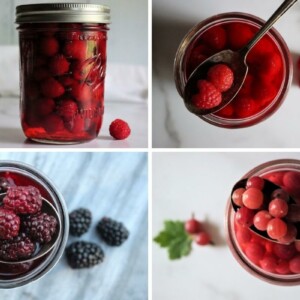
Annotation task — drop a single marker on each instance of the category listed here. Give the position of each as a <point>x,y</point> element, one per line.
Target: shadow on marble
<point>215,233</point>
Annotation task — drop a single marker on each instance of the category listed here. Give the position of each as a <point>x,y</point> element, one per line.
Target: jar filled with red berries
<point>262,222</point>
<point>62,70</point>
<point>34,224</point>
<point>270,67</point>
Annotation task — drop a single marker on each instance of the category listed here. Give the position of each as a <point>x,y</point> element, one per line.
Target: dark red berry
<point>192,226</point>
<point>21,247</point>
<point>119,129</point>
<point>9,224</point>
<point>52,88</point>
<point>67,109</point>
<point>58,65</point>
<point>203,238</point>
<point>49,46</point>
<point>23,200</point>
<point>40,227</point>
<point>76,49</point>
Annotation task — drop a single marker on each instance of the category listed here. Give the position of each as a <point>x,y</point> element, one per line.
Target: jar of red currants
<point>276,259</point>
<point>16,273</point>
<point>62,70</point>
<point>270,67</point>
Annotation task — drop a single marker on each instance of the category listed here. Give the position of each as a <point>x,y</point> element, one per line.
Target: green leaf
<point>175,238</point>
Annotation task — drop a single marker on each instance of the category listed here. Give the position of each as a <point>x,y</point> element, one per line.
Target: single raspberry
<point>40,227</point>
<point>23,200</point>
<point>267,65</point>
<point>58,65</point>
<point>41,74</point>
<point>67,109</point>
<point>198,55</point>
<point>77,124</point>
<point>9,224</point>
<point>264,92</point>
<point>208,96</point>
<point>75,49</point>
<point>45,106</point>
<point>221,76</point>
<point>81,92</point>
<point>52,88</point>
<point>21,247</point>
<point>84,255</point>
<point>238,35</point>
<point>80,221</point>
<point>53,123</point>
<point>247,85</point>
<point>226,112</point>
<point>67,81</point>
<point>215,38</point>
<point>112,232</point>
<point>5,183</point>
<point>119,129</point>
<point>244,106</point>
<point>49,46</point>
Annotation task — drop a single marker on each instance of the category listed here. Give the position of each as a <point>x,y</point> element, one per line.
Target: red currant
<point>284,251</point>
<point>192,226</point>
<point>294,264</point>
<point>244,216</point>
<point>243,235</point>
<point>276,228</point>
<point>255,182</point>
<point>278,208</point>
<point>290,235</point>
<point>261,220</point>
<point>255,252</point>
<point>253,198</point>
<point>281,194</point>
<point>268,263</point>
<point>283,267</point>
<point>202,238</point>
<point>237,196</point>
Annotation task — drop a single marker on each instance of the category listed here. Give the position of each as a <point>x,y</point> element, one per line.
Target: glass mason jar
<point>270,67</point>
<point>282,266</point>
<point>18,274</point>
<point>62,70</point>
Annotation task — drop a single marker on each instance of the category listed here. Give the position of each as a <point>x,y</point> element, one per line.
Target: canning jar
<point>62,70</point>
<point>270,67</point>
<point>271,261</point>
<point>18,274</point>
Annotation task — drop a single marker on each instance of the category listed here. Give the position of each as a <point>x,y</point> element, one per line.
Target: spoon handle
<point>283,8</point>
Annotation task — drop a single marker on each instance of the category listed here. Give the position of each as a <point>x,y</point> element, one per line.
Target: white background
<point>173,125</point>
<point>201,183</point>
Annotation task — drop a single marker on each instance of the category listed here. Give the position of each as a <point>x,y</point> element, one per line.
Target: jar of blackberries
<point>62,70</point>
<point>272,258</point>
<point>25,258</point>
<point>269,75</point>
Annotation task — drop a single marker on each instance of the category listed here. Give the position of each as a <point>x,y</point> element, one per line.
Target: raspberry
<point>112,232</point>
<point>244,106</point>
<point>66,81</point>
<point>221,76</point>
<point>75,49</point>
<point>198,55</point>
<point>268,65</point>
<point>41,74</point>
<point>40,227</point>
<point>52,88</point>
<point>84,255</point>
<point>226,112</point>
<point>81,92</point>
<point>23,200</point>
<point>5,183</point>
<point>119,129</point>
<point>208,96</point>
<point>215,38</point>
<point>80,221</point>
<point>264,92</point>
<point>239,35</point>
<point>9,224</point>
<point>67,109</point>
<point>45,106</point>
<point>58,65</point>
<point>76,125</point>
<point>21,247</point>
<point>49,46</point>
<point>53,123</point>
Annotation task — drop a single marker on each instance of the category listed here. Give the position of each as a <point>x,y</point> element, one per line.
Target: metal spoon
<point>48,208</point>
<point>293,215</point>
<point>236,60</point>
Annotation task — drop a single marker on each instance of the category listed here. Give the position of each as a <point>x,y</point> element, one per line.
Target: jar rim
<point>63,13</point>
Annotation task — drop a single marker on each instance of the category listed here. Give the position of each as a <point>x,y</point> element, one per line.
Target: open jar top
<point>63,13</point>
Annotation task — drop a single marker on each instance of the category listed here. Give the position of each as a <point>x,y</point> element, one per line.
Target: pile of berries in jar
<point>266,225</point>
<point>62,77</point>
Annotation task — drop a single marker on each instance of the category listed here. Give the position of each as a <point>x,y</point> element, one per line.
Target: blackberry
<point>40,227</point>
<point>112,232</point>
<point>21,247</point>
<point>84,255</point>
<point>23,199</point>
<point>80,221</point>
<point>9,224</point>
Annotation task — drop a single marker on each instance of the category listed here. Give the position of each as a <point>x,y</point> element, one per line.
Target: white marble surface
<point>200,183</point>
<point>173,125</point>
<point>112,184</point>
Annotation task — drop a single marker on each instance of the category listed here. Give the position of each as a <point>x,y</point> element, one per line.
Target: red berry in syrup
<point>221,76</point>
<point>294,264</point>
<point>244,216</point>
<point>268,263</point>
<point>253,198</point>
<point>58,65</point>
<point>49,46</point>
<point>284,251</point>
<point>254,251</point>
<point>281,194</point>
<point>261,220</point>
<point>278,208</point>
<point>237,196</point>
<point>276,228</point>
<point>255,182</point>
<point>52,88</point>
<point>215,38</point>
<point>290,236</point>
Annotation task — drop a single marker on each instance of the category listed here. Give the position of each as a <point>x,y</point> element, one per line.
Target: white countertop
<point>173,125</point>
<point>201,183</point>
